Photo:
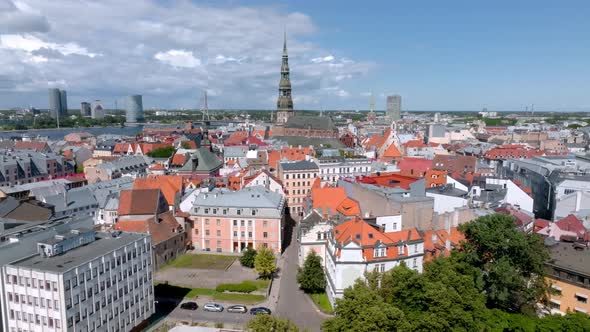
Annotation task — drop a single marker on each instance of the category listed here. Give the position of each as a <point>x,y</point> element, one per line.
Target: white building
<point>265,179</point>
<point>355,247</point>
<point>81,281</point>
<point>334,168</point>
<point>313,235</point>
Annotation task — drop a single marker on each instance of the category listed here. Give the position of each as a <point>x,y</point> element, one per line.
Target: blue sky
<point>452,55</point>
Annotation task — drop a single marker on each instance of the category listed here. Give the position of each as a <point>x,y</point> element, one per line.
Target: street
<point>293,303</point>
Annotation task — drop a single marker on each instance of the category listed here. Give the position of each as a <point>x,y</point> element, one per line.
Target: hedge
<point>243,287</point>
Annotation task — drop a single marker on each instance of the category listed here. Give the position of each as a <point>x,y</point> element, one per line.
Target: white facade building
<point>81,281</point>
<point>334,168</point>
<point>355,247</point>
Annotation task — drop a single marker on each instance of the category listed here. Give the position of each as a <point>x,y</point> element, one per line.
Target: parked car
<point>189,306</point>
<point>260,311</point>
<point>238,308</point>
<point>214,307</point>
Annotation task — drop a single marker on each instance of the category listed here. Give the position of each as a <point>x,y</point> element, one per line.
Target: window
<point>235,223</point>
<point>242,223</point>
<point>218,222</point>
<point>243,234</point>
<point>379,252</point>
<point>265,235</point>
<point>264,223</point>
<point>239,212</point>
<point>235,233</point>
<point>554,304</point>
<point>249,234</point>
<point>249,223</point>
<point>253,212</point>
<point>207,232</point>
<point>400,250</point>
<point>218,233</point>
<point>415,263</point>
<point>206,221</point>
<point>582,298</point>
<point>196,231</point>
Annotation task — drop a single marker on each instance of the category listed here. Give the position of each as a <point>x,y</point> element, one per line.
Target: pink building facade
<point>231,221</point>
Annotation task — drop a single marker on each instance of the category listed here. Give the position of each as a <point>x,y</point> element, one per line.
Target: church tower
<point>284,102</point>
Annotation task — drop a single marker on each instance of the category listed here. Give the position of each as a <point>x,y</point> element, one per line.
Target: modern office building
<point>394,107</point>
<point>85,109</point>
<point>97,111</point>
<point>134,110</point>
<point>81,281</point>
<point>56,98</point>
<point>63,99</point>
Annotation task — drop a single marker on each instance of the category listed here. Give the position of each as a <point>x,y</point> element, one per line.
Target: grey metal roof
<point>301,165</point>
<point>249,197</point>
<point>565,256</point>
<point>103,244</point>
<point>235,151</point>
<point>306,141</point>
<point>208,161</point>
<point>313,122</point>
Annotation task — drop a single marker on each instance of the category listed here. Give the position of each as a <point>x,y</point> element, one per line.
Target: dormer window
<point>206,210</point>
<point>253,212</point>
<point>379,252</point>
<point>400,250</point>
<point>214,211</point>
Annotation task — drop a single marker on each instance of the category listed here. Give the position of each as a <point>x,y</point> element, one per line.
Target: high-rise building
<point>63,99</point>
<point>85,109</point>
<point>394,107</point>
<point>284,102</point>
<point>97,111</point>
<point>81,281</point>
<point>134,112</point>
<point>54,102</point>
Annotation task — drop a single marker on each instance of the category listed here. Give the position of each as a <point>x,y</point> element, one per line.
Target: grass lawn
<point>203,261</point>
<point>321,299</point>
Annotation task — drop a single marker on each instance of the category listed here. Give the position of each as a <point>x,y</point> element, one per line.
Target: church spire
<point>284,102</point>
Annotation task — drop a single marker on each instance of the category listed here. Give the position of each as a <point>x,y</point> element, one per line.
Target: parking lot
<point>200,315</point>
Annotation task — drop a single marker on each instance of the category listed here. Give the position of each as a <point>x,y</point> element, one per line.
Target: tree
<point>363,309</point>
<point>265,262</point>
<point>185,145</point>
<point>311,277</point>
<point>510,262</point>
<point>265,323</point>
<point>165,152</point>
<point>248,257</point>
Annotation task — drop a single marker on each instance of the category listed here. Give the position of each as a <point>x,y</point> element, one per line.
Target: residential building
<point>81,281</point>
<point>133,166</point>
<point>455,163</point>
<point>37,146</point>
<point>334,168</point>
<point>313,236</point>
<point>231,221</point>
<point>356,246</point>
<point>171,186</point>
<point>201,162</point>
<point>568,273</point>
<point>137,149</point>
<point>146,211</point>
<point>18,167</point>
<point>263,178</point>
<point>297,177</point>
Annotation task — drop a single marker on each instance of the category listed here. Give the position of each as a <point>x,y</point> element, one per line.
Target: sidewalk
<point>273,298</point>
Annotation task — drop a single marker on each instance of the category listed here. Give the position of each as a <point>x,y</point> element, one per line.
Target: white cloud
<point>342,93</point>
<point>328,58</point>
<point>178,58</point>
<point>30,43</point>
<point>162,52</point>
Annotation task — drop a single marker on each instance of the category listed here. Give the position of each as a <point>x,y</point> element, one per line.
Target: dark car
<point>238,308</point>
<point>189,306</point>
<point>260,311</point>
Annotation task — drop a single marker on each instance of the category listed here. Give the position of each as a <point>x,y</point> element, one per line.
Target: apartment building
<point>231,221</point>
<point>568,272</point>
<point>334,168</point>
<point>80,281</point>
<point>19,167</point>
<point>298,178</point>
<point>133,166</point>
<point>356,246</point>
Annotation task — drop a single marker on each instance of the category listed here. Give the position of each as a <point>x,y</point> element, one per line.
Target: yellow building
<point>568,273</point>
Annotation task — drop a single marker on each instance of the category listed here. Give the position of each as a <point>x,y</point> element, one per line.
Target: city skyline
<point>462,57</point>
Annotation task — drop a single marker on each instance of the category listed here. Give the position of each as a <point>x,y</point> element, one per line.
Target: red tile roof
<point>511,151</point>
<point>171,186</point>
<point>435,242</point>
<point>138,202</point>
<point>31,145</point>
<point>572,224</point>
<point>349,207</point>
<point>178,159</point>
<point>328,199</point>
<point>160,229</point>
<point>392,180</point>
<point>411,166</point>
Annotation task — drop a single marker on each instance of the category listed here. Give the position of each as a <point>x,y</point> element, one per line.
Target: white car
<point>213,307</point>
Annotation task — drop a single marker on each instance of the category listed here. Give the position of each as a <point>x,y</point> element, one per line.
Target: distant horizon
<point>503,55</point>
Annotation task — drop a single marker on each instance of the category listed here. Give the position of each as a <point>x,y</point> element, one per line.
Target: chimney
<point>195,162</point>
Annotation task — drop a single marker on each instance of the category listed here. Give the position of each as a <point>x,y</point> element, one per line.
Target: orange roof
<point>391,152</point>
<point>165,228</point>
<point>236,138</point>
<point>435,178</point>
<point>391,180</point>
<point>157,167</point>
<point>366,235</point>
<point>274,156</point>
<point>376,141</point>
<point>435,242</point>
<point>178,160</point>
<point>31,145</point>
<point>414,166</point>
<point>349,207</point>
<point>171,186</point>
<point>189,145</point>
<point>328,199</point>
<point>317,183</point>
